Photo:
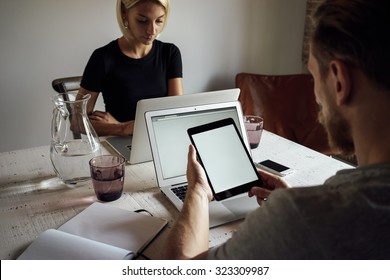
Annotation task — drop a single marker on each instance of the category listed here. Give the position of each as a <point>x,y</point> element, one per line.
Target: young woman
<point>135,66</point>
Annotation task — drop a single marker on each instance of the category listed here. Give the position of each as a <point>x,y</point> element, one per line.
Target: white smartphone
<point>274,167</point>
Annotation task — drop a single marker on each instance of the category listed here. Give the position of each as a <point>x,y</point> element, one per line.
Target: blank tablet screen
<point>224,157</point>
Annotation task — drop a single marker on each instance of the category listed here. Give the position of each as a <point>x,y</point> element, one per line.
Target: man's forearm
<point>190,234</point>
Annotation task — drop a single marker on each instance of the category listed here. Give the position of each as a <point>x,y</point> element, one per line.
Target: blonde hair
<point>122,6</point>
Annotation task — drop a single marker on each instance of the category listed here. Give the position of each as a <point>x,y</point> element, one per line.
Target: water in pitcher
<point>71,165</point>
<point>74,141</point>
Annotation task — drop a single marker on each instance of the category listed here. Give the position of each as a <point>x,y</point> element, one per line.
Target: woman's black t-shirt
<point>124,81</point>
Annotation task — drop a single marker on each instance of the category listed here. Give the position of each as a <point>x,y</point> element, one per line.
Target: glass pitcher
<point>73,140</point>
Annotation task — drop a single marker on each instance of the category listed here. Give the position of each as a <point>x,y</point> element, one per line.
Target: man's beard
<point>339,133</point>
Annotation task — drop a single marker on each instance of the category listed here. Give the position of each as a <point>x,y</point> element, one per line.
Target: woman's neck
<point>132,49</point>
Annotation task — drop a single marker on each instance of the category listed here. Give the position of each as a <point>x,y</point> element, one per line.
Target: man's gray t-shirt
<point>346,218</point>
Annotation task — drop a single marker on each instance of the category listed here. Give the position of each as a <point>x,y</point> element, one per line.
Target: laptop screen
<point>171,138</point>
<point>140,151</point>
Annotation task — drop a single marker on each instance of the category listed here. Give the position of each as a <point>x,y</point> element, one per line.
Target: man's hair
<point>356,32</point>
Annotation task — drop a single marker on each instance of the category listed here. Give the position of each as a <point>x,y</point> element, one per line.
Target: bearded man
<point>348,217</point>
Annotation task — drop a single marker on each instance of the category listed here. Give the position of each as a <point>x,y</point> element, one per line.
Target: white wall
<point>44,39</point>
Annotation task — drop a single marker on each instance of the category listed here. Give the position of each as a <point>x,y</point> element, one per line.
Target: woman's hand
<point>270,182</point>
<point>102,117</point>
<point>106,125</point>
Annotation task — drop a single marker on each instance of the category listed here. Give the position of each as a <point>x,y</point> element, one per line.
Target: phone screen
<point>274,165</point>
<point>226,161</point>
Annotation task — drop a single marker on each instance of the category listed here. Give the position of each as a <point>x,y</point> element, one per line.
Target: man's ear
<point>341,81</point>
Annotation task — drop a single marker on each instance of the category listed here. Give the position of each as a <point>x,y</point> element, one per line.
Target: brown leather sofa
<point>287,104</point>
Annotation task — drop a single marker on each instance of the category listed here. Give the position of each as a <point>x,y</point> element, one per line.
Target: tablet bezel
<point>235,190</point>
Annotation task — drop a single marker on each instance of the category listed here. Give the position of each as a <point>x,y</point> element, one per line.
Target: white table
<point>32,198</point>
<point>310,167</point>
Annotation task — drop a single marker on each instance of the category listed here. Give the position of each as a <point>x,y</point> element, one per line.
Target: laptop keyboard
<point>180,192</point>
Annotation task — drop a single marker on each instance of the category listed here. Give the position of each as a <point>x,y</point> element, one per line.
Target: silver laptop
<point>136,149</point>
<point>169,142</point>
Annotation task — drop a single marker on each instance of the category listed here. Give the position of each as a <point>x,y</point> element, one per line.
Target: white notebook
<point>101,232</point>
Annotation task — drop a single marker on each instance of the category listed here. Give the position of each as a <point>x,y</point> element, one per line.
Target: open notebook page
<point>57,245</point>
<point>101,231</point>
<point>118,227</point>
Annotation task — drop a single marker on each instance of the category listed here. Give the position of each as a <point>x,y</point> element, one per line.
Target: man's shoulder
<point>361,177</point>
<point>349,189</point>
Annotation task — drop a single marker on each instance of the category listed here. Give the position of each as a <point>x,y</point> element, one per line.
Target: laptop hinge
<point>179,184</point>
